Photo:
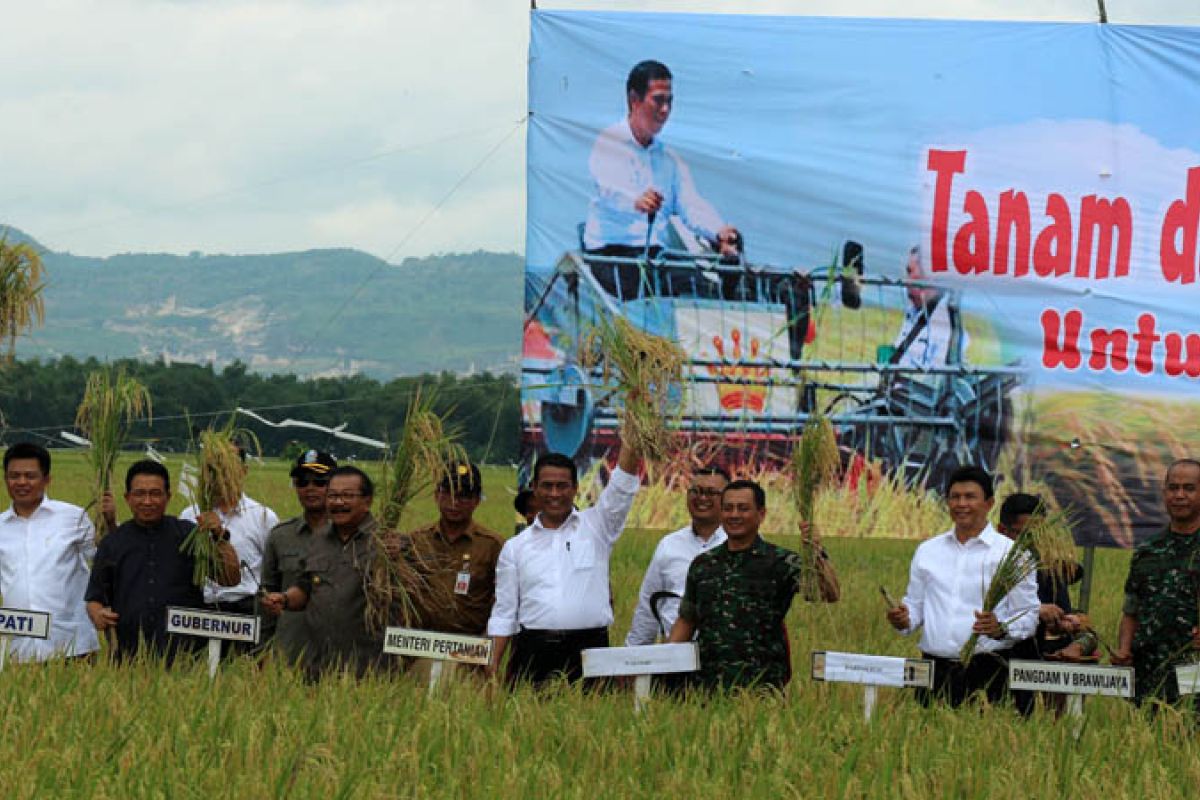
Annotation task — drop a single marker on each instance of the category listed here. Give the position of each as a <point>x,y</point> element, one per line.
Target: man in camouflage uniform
<point>738,594</point>
<point>1162,593</point>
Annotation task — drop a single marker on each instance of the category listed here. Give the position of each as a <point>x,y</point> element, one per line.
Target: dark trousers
<point>954,683</point>
<point>539,656</point>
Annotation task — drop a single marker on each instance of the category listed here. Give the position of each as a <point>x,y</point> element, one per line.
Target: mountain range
<point>312,313</point>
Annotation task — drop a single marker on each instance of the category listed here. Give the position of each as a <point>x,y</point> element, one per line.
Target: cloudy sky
<point>391,126</point>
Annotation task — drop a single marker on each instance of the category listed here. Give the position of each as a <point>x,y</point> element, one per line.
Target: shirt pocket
<point>319,570</point>
<point>583,554</point>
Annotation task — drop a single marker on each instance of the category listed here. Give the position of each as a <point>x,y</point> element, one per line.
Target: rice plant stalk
<point>220,480</point>
<point>815,466</point>
<point>397,581</point>
<point>112,402</point>
<point>648,373</point>
<point>1018,563</point>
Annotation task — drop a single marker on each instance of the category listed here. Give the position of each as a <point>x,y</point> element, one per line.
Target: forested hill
<point>317,312</point>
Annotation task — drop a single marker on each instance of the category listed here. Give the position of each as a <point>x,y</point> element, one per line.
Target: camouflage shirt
<point>1163,592</point>
<point>737,600</point>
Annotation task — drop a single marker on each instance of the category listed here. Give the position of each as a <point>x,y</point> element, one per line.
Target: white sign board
<point>1188,677</point>
<point>29,624</point>
<point>1048,676</point>
<point>872,670</point>
<point>213,624</point>
<point>437,646</point>
<point>646,659</point>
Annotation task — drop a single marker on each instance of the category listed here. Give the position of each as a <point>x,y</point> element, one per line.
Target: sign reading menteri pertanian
<point>437,646</point>
<point>213,624</point>
<point>19,622</point>
<point>1045,676</point>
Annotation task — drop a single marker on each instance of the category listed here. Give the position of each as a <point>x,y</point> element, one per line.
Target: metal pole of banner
<point>214,657</point>
<point>1103,12</point>
<point>870,694</point>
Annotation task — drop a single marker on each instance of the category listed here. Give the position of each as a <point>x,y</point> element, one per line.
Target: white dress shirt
<point>248,525</point>
<point>44,567</point>
<point>622,170</point>
<point>946,585</point>
<point>667,573</point>
<point>557,578</point>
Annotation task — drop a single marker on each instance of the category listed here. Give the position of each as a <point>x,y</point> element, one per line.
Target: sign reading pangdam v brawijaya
<point>962,242</point>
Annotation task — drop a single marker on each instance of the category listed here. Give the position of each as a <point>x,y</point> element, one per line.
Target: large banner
<point>961,241</point>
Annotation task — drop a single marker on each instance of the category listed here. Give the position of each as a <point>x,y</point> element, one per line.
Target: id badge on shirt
<point>462,583</point>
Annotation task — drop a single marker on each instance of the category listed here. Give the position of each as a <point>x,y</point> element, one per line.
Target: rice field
<point>258,731</point>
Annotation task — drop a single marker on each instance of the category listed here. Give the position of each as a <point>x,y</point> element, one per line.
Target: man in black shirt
<point>140,569</point>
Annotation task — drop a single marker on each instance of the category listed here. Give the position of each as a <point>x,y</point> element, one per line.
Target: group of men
<point>544,595</point>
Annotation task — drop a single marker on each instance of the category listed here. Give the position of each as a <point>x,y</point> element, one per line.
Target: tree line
<point>38,401</point>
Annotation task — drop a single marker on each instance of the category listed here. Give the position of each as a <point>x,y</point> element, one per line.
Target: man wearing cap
<point>287,546</point>
<point>457,557</point>
<point>248,523</point>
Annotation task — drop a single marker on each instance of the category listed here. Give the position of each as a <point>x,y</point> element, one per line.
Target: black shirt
<point>140,571</point>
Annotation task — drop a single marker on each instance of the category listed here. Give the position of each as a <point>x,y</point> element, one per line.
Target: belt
<point>547,636</point>
<point>243,606</point>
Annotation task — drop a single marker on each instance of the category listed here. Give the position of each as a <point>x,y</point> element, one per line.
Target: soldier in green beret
<point>1162,593</point>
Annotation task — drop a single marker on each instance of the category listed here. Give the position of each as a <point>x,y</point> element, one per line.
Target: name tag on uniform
<point>462,583</point>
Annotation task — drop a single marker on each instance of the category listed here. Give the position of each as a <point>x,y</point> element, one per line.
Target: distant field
<point>138,732</point>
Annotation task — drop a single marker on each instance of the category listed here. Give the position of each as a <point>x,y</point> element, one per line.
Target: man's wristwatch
<point>221,535</point>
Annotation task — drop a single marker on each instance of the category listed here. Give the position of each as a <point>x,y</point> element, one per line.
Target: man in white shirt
<point>248,522</point>
<point>639,184</point>
<point>552,579</point>
<point>658,600</point>
<point>45,550</point>
<point>947,580</point>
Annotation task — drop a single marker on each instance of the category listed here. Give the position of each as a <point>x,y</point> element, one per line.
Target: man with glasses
<point>287,545</point>
<point>331,588</point>
<point>639,184</point>
<point>45,547</point>
<point>658,601</point>
<point>141,569</point>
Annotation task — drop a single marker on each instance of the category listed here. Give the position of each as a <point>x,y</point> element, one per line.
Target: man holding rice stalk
<point>287,546</point>
<point>143,567</point>
<point>738,594</point>
<point>45,547</point>
<point>248,523</point>
<point>552,580</point>
<point>663,585</point>
<point>972,600</point>
<point>1159,619</point>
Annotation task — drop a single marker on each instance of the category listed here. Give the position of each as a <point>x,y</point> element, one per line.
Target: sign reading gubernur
<point>213,624</point>
<point>437,646</point>
<point>30,624</point>
<point>1044,676</point>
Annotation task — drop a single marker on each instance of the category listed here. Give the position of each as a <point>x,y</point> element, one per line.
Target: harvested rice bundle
<point>1051,541</point>
<point>112,402</point>
<point>396,584</point>
<point>1018,564</point>
<point>648,372</point>
<point>815,466</point>
<point>220,476</point>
